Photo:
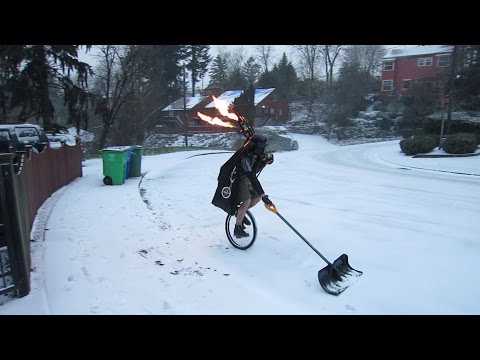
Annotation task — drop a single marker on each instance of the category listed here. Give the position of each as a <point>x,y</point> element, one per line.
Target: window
<point>388,65</point>
<point>387,85</point>
<point>443,60</point>
<point>425,61</point>
<point>4,135</point>
<point>406,84</point>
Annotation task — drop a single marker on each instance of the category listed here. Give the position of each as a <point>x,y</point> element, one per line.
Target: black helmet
<point>258,144</point>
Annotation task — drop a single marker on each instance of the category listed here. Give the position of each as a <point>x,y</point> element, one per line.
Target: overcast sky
<point>246,50</point>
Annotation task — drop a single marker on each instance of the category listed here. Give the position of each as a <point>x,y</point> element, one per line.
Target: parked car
<point>20,137</point>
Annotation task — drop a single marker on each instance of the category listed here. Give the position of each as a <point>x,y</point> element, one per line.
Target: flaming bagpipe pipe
<point>229,111</point>
<point>335,277</point>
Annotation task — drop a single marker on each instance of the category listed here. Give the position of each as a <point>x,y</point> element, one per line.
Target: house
<point>403,69</point>
<point>173,116</point>
<point>270,110</point>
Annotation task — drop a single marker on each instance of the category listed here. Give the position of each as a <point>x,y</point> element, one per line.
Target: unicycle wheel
<point>242,243</point>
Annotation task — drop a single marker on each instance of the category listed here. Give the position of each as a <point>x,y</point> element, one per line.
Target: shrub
<point>419,144</point>
<point>460,143</point>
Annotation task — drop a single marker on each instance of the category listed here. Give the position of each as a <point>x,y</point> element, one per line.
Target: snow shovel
<point>335,277</point>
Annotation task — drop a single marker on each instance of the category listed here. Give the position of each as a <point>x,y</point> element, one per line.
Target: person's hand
<point>267,201</point>
<point>268,158</point>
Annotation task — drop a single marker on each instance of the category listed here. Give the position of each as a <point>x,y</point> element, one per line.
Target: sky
<point>156,245</point>
<point>91,57</point>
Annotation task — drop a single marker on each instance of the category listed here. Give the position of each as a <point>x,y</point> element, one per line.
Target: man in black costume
<point>238,186</point>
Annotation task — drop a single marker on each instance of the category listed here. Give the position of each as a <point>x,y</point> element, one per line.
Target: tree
<point>352,86</point>
<point>309,57</point>
<point>218,71</point>
<point>113,86</point>
<point>245,104</point>
<point>369,57</point>
<point>264,53</point>
<point>155,81</point>
<point>198,59</point>
<point>251,70</point>
<point>330,55</point>
<point>29,73</point>
<point>287,79</point>
<point>467,83</point>
<point>283,77</point>
<point>268,79</point>
<point>237,80</point>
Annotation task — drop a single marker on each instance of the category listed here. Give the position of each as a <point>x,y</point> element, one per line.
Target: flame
<point>223,108</point>
<point>214,121</point>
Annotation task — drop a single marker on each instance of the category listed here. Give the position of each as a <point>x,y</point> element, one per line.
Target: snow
<point>156,244</point>
<point>418,50</point>
<point>230,95</point>
<point>190,102</point>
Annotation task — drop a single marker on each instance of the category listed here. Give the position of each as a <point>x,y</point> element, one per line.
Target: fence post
<point>16,218</point>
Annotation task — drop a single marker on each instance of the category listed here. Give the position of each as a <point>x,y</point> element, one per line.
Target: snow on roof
<point>230,95</point>
<point>191,101</point>
<point>418,50</point>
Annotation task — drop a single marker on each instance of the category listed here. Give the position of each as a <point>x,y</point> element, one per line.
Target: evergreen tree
<point>467,83</point>
<point>218,71</point>
<point>283,77</point>
<point>236,80</point>
<point>286,78</point>
<point>30,72</point>
<point>154,77</point>
<point>245,104</point>
<point>349,92</point>
<point>251,70</point>
<point>268,79</point>
<point>198,59</point>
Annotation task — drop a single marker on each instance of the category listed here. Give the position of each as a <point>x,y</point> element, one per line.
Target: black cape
<point>229,169</point>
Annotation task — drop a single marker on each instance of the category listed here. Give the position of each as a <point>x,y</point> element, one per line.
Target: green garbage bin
<point>114,165</point>
<point>136,161</point>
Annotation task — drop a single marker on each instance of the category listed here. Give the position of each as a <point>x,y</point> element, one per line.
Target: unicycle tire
<point>242,243</point>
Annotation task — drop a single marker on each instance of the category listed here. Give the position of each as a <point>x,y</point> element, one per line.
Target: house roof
<point>191,102</point>
<point>230,95</point>
<point>418,50</point>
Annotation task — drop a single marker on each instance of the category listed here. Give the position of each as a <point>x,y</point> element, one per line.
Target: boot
<point>246,221</point>
<point>239,232</point>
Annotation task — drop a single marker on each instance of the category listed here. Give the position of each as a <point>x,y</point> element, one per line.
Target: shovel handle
<point>273,209</point>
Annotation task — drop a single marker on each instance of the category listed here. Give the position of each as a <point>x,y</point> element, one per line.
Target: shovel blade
<point>338,276</point>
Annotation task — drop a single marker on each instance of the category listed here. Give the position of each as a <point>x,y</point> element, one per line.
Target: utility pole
<point>440,143</point>
<point>185,121</point>
<point>451,89</point>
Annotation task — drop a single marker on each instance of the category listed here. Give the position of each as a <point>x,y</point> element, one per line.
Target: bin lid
<point>117,148</point>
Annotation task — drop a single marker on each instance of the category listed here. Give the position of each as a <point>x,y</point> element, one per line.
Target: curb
<point>446,155</point>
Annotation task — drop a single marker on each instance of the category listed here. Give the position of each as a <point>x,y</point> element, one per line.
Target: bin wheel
<point>107,180</point>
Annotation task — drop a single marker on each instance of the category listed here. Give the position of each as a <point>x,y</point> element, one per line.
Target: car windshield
<point>27,134</point>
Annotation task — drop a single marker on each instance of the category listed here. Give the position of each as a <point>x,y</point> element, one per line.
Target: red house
<point>403,69</point>
<point>270,110</point>
<point>173,116</point>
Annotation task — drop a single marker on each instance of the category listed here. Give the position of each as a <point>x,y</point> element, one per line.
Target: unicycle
<point>242,243</point>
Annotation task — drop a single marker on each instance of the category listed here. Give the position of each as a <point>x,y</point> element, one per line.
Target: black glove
<point>267,201</point>
<point>269,158</point>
